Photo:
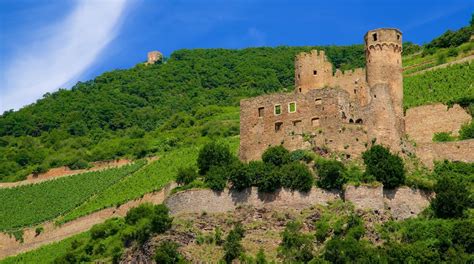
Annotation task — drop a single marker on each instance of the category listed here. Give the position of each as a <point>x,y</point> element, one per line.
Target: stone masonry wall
<point>402,202</point>
<point>439,151</point>
<point>423,122</point>
<point>322,118</point>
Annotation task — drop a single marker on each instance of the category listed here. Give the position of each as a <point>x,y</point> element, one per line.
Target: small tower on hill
<point>154,57</point>
<point>312,71</point>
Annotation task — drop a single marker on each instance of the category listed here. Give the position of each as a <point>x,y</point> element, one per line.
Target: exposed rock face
<point>365,197</point>
<point>405,202</point>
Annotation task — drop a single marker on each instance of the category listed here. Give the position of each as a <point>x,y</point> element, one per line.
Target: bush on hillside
<point>331,174</point>
<point>452,196</point>
<point>232,245</point>
<point>384,166</point>
<point>295,247</point>
<point>270,181</point>
<point>216,178</point>
<point>213,154</point>
<point>467,131</point>
<point>240,176</point>
<point>277,155</point>
<point>296,176</point>
<point>186,175</point>
<point>443,137</point>
<point>167,253</point>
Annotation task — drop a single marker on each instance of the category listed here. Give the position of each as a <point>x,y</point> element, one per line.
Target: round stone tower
<point>383,48</point>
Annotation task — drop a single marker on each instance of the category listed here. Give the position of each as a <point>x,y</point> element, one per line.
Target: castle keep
<point>339,112</point>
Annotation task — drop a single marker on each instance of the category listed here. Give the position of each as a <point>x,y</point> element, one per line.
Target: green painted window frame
<point>292,107</point>
<point>277,109</point>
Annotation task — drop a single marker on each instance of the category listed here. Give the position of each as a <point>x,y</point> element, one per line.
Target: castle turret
<point>312,71</point>
<point>154,56</point>
<point>383,48</point>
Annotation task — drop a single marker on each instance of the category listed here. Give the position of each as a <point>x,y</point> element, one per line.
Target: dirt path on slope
<point>465,59</point>
<point>10,247</point>
<point>60,172</point>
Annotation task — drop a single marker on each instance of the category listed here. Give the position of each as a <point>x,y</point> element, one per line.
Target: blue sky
<point>46,44</point>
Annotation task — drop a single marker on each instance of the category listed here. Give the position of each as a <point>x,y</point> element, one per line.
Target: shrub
<point>296,176</point>
<point>167,253</point>
<point>257,171</point>
<point>384,166</point>
<point>277,155</point>
<point>135,214</point>
<point>452,196</point>
<point>232,246</point>
<point>467,131</point>
<point>213,154</point>
<point>186,175</point>
<point>331,174</point>
<point>216,178</point>
<point>240,176</point>
<point>301,155</point>
<point>295,246</point>
<point>78,164</point>
<point>271,180</point>
<point>443,137</point>
<point>348,250</point>
<point>39,230</point>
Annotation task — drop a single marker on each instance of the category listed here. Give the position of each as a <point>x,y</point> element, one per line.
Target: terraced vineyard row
<point>32,204</point>
<point>152,177</point>
<point>447,85</point>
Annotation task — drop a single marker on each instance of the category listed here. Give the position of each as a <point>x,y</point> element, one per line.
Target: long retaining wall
<point>402,202</point>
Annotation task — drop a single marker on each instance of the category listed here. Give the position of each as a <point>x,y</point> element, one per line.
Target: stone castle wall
<point>423,122</point>
<point>439,151</point>
<point>324,118</point>
<point>402,202</point>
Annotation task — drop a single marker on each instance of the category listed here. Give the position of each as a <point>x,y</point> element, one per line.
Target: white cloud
<point>60,52</point>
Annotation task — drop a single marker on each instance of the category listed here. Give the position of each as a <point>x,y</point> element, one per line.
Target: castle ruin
<point>340,112</point>
<point>154,57</point>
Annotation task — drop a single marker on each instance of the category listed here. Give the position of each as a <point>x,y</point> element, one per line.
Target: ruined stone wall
<point>402,202</point>
<point>324,118</point>
<point>153,57</point>
<point>439,151</point>
<point>423,122</point>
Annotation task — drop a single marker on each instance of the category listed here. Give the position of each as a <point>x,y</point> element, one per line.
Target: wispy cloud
<point>60,52</point>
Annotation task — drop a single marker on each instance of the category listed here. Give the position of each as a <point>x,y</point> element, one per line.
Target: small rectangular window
<point>260,111</point>
<point>315,72</point>
<point>315,121</point>
<point>318,101</point>
<point>398,37</point>
<point>374,36</point>
<point>278,126</point>
<point>297,123</point>
<point>292,107</point>
<point>277,109</point>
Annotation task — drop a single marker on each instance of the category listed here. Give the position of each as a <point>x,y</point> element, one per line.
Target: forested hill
<point>145,96</point>
<point>106,117</point>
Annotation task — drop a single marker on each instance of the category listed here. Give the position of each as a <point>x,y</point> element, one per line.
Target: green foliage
<point>216,178</point>
<point>446,85</point>
<point>296,176</point>
<point>295,247</point>
<point>241,176</point>
<point>39,230</point>
<point>452,38</point>
<point>186,175</point>
<point>271,180</point>
<point>384,166</point>
<point>443,137</point>
<point>410,48</point>
<point>349,250</point>
<point>167,253</point>
<point>30,204</point>
<point>277,155</point>
<point>467,131</point>
<point>232,245</point>
<point>213,154</point>
<point>331,174</point>
<point>119,113</point>
<point>452,196</point>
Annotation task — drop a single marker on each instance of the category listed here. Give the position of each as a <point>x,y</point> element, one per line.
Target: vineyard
<point>31,204</point>
<point>448,85</point>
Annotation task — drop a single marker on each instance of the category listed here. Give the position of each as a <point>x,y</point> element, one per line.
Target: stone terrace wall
<point>438,151</point>
<point>402,202</point>
<point>424,121</point>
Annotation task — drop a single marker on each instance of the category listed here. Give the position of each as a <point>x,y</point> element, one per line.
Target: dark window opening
<point>297,123</point>
<point>318,101</point>
<point>351,121</point>
<point>398,37</point>
<point>315,121</point>
<point>260,111</point>
<point>315,72</point>
<point>299,76</point>
<point>300,90</point>
<point>355,91</point>
<point>277,109</point>
<point>359,121</point>
<point>278,126</point>
<point>343,115</point>
<point>375,96</point>
<point>374,36</point>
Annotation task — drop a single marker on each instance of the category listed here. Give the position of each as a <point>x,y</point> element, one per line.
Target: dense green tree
<point>186,175</point>
<point>232,245</point>
<point>277,155</point>
<point>167,253</point>
<point>213,154</point>
<point>452,196</point>
<point>331,174</point>
<point>296,176</point>
<point>384,166</point>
